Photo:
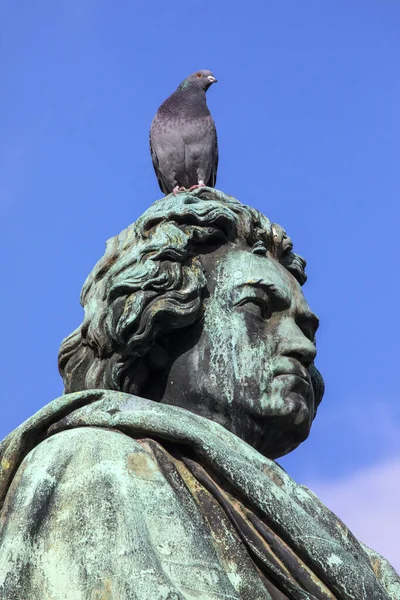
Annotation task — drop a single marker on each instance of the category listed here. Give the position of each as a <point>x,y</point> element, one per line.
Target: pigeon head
<point>200,79</point>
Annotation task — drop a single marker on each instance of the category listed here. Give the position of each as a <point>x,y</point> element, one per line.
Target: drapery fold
<point>232,520</point>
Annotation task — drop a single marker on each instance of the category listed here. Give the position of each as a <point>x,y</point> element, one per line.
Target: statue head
<point>199,304</point>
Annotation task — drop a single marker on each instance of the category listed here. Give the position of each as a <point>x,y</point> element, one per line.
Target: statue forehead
<point>237,267</point>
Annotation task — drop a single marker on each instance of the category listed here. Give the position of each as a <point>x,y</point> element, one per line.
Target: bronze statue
<point>154,477</point>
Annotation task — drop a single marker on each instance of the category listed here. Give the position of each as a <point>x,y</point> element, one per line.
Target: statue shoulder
<point>384,572</point>
<point>86,452</point>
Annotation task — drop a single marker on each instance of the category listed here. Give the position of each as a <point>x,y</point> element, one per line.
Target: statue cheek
<point>253,369</point>
<point>239,358</point>
<point>277,397</point>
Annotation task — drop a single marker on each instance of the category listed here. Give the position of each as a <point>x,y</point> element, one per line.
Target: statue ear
<point>158,357</point>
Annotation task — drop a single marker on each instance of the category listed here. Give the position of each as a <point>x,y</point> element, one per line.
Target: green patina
<point>153,476</point>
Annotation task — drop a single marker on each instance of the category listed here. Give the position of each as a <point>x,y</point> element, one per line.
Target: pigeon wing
<point>156,166</point>
<point>167,152</point>
<point>213,177</point>
<point>201,150</point>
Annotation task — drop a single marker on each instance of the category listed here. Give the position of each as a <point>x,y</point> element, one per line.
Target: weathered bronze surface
<point>153,476</point>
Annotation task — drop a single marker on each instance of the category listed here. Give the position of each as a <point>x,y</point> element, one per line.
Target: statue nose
<point>299,346</point>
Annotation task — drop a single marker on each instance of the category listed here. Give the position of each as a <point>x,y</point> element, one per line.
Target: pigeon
<point>183,138</point>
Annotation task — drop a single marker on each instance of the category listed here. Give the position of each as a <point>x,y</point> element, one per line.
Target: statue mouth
<point>294,374</point>
<point>296,370</point>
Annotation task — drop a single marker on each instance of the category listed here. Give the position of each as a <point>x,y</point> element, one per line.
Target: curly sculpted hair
<point>151,281</point>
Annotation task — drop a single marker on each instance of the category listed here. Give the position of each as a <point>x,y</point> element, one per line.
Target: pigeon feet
<point>178,189</point>
<point>199,185</point>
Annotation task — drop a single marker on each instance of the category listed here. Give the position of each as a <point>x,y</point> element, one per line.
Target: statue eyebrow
<point>269,289</point>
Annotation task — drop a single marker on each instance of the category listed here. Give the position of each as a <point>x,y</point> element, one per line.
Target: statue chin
<point>280,441</point>
<point>275,435</point>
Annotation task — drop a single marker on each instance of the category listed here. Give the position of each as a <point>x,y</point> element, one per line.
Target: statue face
<point>245,365</point>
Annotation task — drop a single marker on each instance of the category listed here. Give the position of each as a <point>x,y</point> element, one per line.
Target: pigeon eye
<point>199,75</point>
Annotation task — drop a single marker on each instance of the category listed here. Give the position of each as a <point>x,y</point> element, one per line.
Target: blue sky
<point>307,113</point>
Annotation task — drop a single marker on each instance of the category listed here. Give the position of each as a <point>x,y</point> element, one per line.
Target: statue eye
<point>199,75</point>
<point>256,306</point>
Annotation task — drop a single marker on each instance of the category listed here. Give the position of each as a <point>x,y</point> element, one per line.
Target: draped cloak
<point>107,496</point>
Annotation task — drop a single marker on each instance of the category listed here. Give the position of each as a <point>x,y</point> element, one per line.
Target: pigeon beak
<point>212,79</point>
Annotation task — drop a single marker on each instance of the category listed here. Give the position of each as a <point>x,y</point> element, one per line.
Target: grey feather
<point>183,138</point>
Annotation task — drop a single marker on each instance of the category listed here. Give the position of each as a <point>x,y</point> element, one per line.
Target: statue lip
<point>294,375</point>
<point>301,373</point>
